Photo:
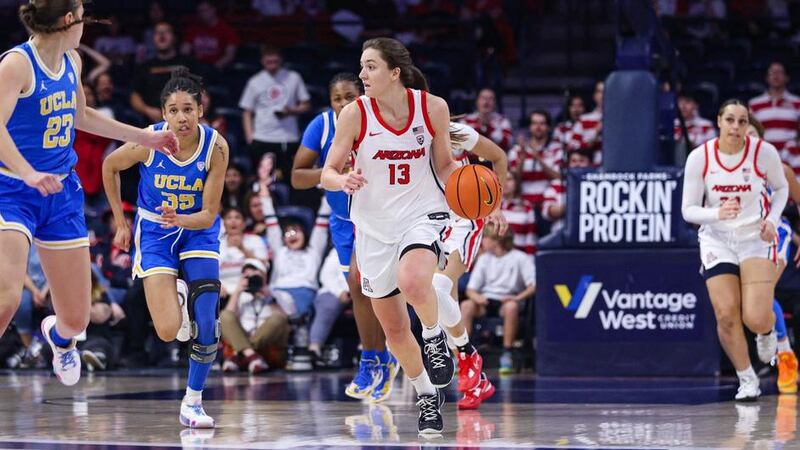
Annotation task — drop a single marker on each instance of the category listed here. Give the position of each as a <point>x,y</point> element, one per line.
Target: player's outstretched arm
<point>16,76</point>
<point>348,129</point>
<point>212,194</point>
<point>89,120</point>
<point>441,149</point>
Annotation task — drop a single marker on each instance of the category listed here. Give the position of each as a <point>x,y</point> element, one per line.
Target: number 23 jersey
<point>402,187</point>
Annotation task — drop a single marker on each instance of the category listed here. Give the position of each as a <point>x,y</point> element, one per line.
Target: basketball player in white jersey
<point>401,142</point>
<point>726,191</point>
<point>462,241</point>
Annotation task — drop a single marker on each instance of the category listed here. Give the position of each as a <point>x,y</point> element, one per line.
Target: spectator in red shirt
<point>489,122</point>
<point>210,39</point>
<point>90,149</point>
<point>554,207</point>
<point>563,131</point>
<point>520,216</point>
<point>779,111</point>
<point>588,132</point>
<point>536,159</point>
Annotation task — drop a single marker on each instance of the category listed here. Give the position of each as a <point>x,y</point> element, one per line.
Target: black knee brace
<point>199,352</point>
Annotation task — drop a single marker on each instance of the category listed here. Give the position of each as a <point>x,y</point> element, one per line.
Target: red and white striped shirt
<point>588,134</point>
<point>534,178</point>
<point>555,195</point>
<point>498,128</point>
<point>563,133</point>
<point>699,129</point>
<point>522,221</point>
<point>780,118</point>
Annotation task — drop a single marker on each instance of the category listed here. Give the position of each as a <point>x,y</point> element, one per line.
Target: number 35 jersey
<point>166,181</point>
<point>402,187</point>
<point>43,122</point>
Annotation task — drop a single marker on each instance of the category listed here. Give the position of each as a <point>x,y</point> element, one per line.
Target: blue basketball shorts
<point>343,237</point>
<point>158,250</point>
<point>55,222</point>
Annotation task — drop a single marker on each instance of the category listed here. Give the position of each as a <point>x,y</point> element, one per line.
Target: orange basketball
<point>473,191</point>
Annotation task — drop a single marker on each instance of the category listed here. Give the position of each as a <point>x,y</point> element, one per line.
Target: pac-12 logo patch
<point>201,165</point>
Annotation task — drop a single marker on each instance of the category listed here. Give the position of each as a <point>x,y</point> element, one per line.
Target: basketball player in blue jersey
<point>41,199</point>
<point>378,367</point>
<point>177,228</point>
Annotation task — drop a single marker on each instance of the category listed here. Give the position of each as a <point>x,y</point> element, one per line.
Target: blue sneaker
<point>506,364</point>
<point>388,373</point>
<point>367,377</point>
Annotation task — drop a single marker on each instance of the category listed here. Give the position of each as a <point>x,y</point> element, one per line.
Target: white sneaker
<point>767,345</point>
<point>193,416</point>
<point>66,361</point>
<point>749,389</point>
<point>185,332</point>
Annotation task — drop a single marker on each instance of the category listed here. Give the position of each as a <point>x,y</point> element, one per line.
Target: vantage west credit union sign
<point>624,208</point>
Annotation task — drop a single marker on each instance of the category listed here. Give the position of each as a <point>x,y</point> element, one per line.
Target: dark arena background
<point>596,106</point>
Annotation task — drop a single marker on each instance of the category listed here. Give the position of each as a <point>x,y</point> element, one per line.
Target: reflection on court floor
<point>127,409</point>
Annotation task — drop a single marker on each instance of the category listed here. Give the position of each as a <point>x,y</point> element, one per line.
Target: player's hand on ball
<point>122,238</point>
<point>45,183</point>
<point>169,217</point>
<point>164,141</point>
<point>768,232</point>
<point>730,209</point>
<point>353,182</point>
<point>499,220</point>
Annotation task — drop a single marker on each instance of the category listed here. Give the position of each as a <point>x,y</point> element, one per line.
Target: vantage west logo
<point>634,310</point>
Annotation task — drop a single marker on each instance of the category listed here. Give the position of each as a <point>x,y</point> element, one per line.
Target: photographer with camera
<point>252,321</point>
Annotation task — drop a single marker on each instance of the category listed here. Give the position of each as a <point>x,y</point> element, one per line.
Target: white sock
<point>422,384</point>
<point>783,345</point>
<point>462,340</point>
<point>746,373</point>
<point>429,332</point>
<point>192,396</point>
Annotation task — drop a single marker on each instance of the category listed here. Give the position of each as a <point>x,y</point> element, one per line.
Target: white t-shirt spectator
<point>232,259</point>
<point>503,276</point>
<point>265,94</point>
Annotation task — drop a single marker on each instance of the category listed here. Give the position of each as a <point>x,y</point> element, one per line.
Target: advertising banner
<point>618,312</point>
<point>634,209</point>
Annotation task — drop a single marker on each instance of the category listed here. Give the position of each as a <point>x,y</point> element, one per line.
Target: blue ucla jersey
<point>42,125</point>
<point>179,184</point>
<point>319,137</point>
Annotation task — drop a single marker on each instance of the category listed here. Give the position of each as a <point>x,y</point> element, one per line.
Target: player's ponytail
<point>396,55</point>
<point>182,80</point>
<point>43,16</point>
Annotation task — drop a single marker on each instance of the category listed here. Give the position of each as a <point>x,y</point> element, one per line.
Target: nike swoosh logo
<point>490,201</point>
<point>375,134</point>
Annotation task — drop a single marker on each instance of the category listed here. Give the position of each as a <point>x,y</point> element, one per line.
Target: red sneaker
<point>469,371</point>
<point>473,398</point>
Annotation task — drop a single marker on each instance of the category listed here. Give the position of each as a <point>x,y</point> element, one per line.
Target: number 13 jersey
<point>402,187</point>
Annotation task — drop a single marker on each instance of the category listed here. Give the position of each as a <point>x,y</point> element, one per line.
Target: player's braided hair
<point>182,80</point>
<point>345,77</point>
<point>43,16</point>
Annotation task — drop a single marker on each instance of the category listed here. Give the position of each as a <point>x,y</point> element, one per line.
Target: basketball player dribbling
<point>726,191</point>
<point>41,199</point>
<point>401,142</point>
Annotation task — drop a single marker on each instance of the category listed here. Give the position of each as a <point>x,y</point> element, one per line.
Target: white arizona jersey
<point>739,178</point>
<point>402,187</point>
